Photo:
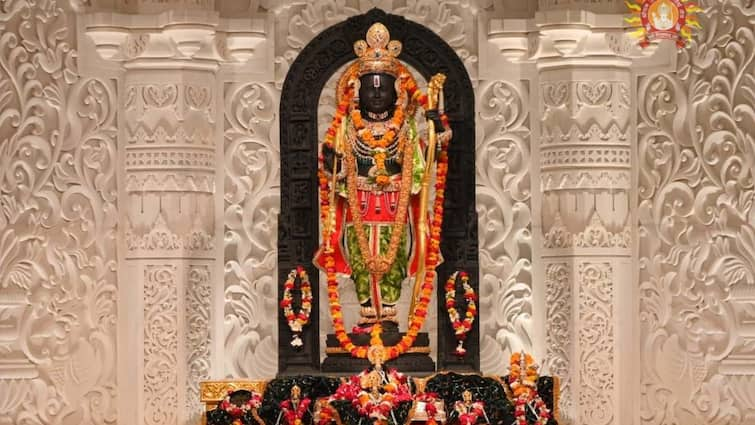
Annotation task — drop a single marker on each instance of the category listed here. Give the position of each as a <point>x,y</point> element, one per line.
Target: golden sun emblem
<point>663,19</point>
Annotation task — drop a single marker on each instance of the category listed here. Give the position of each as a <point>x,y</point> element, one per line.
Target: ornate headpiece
<point>378,53</point>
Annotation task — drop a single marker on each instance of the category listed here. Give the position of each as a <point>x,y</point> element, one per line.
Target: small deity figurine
<point>294,409</point>
<point>376,160</point>
<point>375,393</point>
<point>468,411</point>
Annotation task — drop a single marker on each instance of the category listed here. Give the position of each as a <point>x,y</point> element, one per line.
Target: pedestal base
<point>416,361</point>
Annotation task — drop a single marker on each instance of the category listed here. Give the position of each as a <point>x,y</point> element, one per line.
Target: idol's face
<point>377,93</point>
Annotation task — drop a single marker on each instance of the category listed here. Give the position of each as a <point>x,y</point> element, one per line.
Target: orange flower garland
<point>431,260</point>
<point>523,382</point>
<point>297,321</point>
<point>461,327</point>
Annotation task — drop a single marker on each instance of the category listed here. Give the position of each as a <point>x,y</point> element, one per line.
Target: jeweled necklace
<point>377,116</point>
<point>378,146</point>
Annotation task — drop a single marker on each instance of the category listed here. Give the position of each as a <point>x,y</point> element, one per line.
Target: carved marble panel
<point>559,337</point>
<point>505,220</point>
<point>252,203</point>
<point>170,165</point>
<point>160,345</point>
<point>696,226</point>
<point>57,225</point>
<point>197,296</point>
<point>585,163</point>
<point>595,338</point>
<point>298,23</point>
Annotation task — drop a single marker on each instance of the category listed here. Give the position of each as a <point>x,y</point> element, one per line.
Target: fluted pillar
<point>585,167</point>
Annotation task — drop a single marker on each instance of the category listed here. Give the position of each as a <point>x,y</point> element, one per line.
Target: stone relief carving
<point>197,306</point>
<point>595,235</point>
<point>595,336</point>
<point>57,225</point>
<point>696,218</point>
<point>170,163</point>
<point>504,214</point>
<point>586,109</point>
<point>585,164</point>
<point>252,203</point>
<point>453,20</point>
<point>161,238</point>
<point>160,345</point>
<point>558,339</point>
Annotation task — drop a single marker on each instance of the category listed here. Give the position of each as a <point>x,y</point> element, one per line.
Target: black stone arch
<point>298,224</point>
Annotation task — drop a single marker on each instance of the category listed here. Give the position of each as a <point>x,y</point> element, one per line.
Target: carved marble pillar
<point>169,163</point>
<point>171,249</point>
<point>585,151</point>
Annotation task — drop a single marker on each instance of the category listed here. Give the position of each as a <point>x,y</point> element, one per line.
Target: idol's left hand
<point>434,116</point>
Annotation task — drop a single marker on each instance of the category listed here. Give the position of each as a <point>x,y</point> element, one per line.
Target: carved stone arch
<point>298,231</point>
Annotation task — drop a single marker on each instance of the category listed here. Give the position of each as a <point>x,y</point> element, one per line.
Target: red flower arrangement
<point>369,403</point>
<point>461,327</point>
<point>237,411</point>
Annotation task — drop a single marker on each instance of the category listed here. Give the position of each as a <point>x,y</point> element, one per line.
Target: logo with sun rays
<point>663,19</point>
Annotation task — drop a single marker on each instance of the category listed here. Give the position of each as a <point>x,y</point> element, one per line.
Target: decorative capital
<point>559,36</point>
<point>174,36</point>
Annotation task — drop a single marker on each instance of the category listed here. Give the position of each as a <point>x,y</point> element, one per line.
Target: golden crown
<point>378,53</point>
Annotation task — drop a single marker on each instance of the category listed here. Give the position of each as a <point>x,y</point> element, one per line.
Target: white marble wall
<point>696,153</point>
<point>73,276</point>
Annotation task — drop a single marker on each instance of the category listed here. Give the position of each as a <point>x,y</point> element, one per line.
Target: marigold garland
<point>379,146</point>
<point>461,327</point>
<point>522,379</point>
<point>297,321</point>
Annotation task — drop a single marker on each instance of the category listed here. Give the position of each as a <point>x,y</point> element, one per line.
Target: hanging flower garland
<point>461,327</point>
<point>433,253</point>
<point>237,412</point>
<point>523,382</point>
<point>295,416</point>
<point>297,321</point>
